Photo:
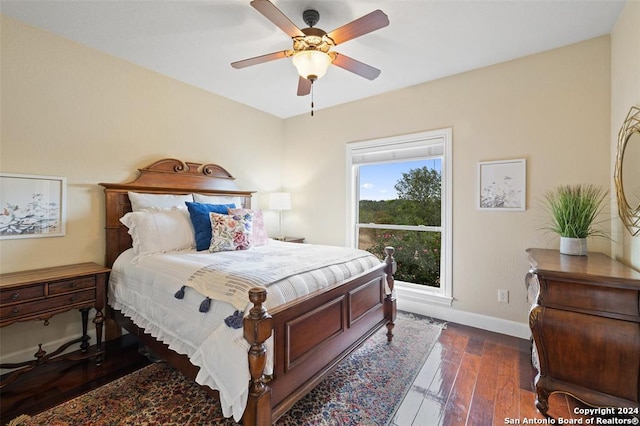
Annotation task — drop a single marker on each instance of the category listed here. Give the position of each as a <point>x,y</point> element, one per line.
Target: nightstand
<point>42,293</point>
<point>293,240</point>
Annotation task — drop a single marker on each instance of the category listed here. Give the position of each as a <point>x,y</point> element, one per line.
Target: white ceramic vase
<point>573,246</point>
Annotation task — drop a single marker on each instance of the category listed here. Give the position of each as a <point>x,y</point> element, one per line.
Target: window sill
<point>415,293</point>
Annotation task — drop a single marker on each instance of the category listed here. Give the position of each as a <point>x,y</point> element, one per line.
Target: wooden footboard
<point>311,336</point>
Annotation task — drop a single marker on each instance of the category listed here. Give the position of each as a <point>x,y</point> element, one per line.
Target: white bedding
<point>144,290</point>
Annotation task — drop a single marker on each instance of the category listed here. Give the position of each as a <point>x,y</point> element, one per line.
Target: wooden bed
<point>312,334</point>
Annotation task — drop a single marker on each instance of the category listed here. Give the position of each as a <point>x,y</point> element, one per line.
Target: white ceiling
<point>195,41</point>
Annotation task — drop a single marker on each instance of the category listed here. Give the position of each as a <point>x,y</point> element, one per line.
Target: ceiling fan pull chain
<point>312,98</point>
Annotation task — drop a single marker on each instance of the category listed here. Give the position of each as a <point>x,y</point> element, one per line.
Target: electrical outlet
<point>503,296</point>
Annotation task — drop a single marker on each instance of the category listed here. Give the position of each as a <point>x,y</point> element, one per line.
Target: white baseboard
<point>27,354</point>
<point>450,314</point>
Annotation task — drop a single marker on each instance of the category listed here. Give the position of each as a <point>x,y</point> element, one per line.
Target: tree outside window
<point>407,217</point>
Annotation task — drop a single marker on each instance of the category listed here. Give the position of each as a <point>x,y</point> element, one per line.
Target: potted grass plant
<point>573,210</point>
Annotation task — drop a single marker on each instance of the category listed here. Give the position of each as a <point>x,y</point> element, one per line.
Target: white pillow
<point>141,201</point>
<point>217,199</point>
<point>159,231</point>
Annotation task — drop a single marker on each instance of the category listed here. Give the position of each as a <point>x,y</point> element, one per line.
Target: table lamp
<point>280,201</point>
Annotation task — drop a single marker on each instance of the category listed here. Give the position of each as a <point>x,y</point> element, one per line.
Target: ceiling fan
<point>311,51</point>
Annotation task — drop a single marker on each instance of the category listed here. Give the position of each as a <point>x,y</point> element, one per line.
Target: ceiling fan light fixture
<point>311,64</point>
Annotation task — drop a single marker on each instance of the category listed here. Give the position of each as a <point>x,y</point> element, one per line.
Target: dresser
<point>585,323</point>
<point>42,293</point>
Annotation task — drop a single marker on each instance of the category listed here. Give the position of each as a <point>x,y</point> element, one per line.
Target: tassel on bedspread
<point>233,321</point>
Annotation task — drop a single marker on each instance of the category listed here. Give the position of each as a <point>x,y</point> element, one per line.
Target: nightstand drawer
<point>13,295</point>
<point>67,286</point>
<point>49,304</point>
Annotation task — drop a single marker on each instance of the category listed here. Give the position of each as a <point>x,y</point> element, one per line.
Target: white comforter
<point>144,288</point>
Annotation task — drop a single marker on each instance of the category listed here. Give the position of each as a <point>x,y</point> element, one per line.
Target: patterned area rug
<point>365,389</point>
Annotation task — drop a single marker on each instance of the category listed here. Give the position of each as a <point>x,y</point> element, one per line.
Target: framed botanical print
<point>32,206</point>
<point>502,185</point>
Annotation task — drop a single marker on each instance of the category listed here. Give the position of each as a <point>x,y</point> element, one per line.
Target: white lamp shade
<point>280,201</point>
<point>311,64</point>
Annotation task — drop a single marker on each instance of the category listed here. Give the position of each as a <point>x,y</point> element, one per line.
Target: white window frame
<point>409,291</point>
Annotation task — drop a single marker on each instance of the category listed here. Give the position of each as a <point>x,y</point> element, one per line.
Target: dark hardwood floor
<point>476,377</point>
<point>472,377</point>
<point>51,384</point>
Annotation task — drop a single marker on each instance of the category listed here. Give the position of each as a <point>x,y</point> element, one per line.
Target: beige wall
<point>67,110</point>
<point>552,109</point>
<point>625,92</point>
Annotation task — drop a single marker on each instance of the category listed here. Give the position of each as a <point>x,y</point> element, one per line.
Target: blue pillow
<point>199,213</point>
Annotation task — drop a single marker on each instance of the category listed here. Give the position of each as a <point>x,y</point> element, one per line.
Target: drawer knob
<point>73,285</point>
<point>15,310</point>
<point>73,298</point>
<point>15,296</point>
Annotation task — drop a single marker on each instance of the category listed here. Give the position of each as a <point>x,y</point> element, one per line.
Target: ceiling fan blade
<point>363,25</point>
<point>304,86</point>
<point>274,14</point>
<point>356,67</point>
<point>260,59</point>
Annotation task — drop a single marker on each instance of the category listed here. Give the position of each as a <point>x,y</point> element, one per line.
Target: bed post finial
<point>390,309</point>
<point>257,327</point>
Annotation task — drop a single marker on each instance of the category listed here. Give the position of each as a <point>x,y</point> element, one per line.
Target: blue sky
<point>377,181</point>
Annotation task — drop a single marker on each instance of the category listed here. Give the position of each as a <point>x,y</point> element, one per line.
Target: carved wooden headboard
<point>167,176</point>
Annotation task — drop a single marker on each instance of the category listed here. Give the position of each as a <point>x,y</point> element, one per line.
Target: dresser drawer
<point>599,300</point>
<point>46,305</point>
<point>67,286</point>
<point>13,295</point>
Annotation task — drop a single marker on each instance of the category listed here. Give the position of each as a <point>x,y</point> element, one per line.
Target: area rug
<point>366,389</point>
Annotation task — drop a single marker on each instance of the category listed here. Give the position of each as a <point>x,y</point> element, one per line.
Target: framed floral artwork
<point>32,206</point>
<point>502,185</point>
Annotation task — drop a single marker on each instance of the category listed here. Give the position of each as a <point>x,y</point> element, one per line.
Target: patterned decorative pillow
<point>230,232</point>
<point>259,235</point>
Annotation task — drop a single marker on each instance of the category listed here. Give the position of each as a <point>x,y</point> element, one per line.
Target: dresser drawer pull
<point>15,310</point>
<point>73,285</point>
<point>73,298</point>
<point>15,296</point>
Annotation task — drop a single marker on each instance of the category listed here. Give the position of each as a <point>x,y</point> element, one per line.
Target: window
<point>399,194</point>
